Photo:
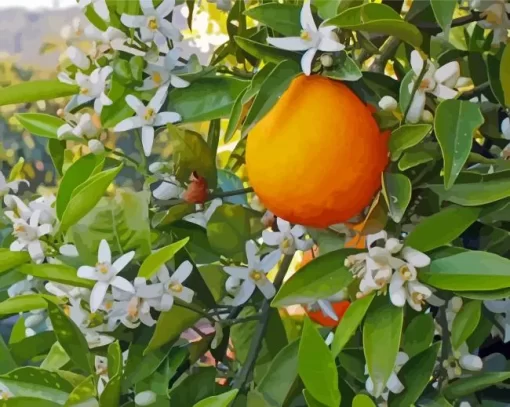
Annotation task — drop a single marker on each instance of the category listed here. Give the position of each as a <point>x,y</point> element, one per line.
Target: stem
<point>434,28</point>
<point>256,343</point>
<point>416,86</point>
<point>241,320</point>
<point>476,91</point>
<point>231,193</point>
<point>446,345</point>
<point>139,147</point>
<point>387,51</point>
<point>198,311</point>
<point>122,155</point>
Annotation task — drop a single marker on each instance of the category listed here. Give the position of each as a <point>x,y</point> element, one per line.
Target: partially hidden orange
<point>316,158</point>
<point>319,317</point>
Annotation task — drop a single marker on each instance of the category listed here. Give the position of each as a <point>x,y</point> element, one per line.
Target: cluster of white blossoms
<point>392,266</point>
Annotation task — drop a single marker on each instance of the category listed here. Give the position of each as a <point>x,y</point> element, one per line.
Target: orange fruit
<point>316,158</point>
<point>318,316</point>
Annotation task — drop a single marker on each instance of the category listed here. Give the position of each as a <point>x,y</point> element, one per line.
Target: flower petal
<point>69,250</point>
<point>394,384</point>
<point>416,109</point>
<point>147,7</point>
<point>122,284</point>
<point>239,272</point>
<point>266,287</point>
<point>290,43</point>
<point>297,231</point>
<point>375,237</point>
<point>158,99</point>
<point>123,261</point>
<point>471,362</point>
<point>244,294</point>
<point>186,295</point>
<point>169,30</point>
<point>177,82</point>
<point>129,124</point>
<point>327,309</point>
<point>163,274</point>
<point>166,191</point>
<point>36,252</point>
<point>307,60</point>
<point>133,21</point>
<point>416,62</point>
<point>283,225</point>
<point>415,257</point>
<point>251,254</point>
<point>87,272</point>
<point>215,203</point>
<point>270,260</point>
<point>505,128</point>
<point>135,104</point>
<point>150,291</point>
<point>306,17</point>
<point>101,9</point>
<point>444,92</point>
<point>147,139</point>
<point>97,295</point>
<point>166,7</point>
<point>329,44</point>
<point>104,254</point>
<point>397,290</point>
<point>167,117</point>
<point>448,74</point>
<point>183,272</point>
<point>498,307</point>
<point>272,238</point>
<point>167,301</point>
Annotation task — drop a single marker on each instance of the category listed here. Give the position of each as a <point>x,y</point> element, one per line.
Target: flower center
<point>256,275</point>
<point>175,286</point>
<point>84,91</point>
<point>492,17</point>
<point>24,232</point>
<point>133,308</point>
<point>405,272</point>
<point>67,310</point>
<point>418,298</point>
<point>108,305</point>
<point>425,84</point>
<point>152,24</point>
<point>156,77</point>
<point>306,35</point>
<point>103,268</point>
<point>149,114</point>
<point>4,395</point>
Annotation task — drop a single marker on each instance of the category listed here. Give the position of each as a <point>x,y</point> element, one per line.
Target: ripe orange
<point>319,317</point>
<point>316,158</point>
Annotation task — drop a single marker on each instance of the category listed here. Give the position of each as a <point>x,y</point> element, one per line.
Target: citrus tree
<point>350,247</point>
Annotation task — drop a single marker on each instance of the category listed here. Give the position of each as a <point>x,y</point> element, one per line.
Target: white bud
<point>145,398</point>
<point>505,128</point>
<point>232,285</point>
<point>156,167</point>
<point>388,104</point>
<point>326,60</point>
<point>464,404</point>
<point>96,147</point>
<point>456,303</point>
<point>69,250</point>
<point>29,332</point>
<point>78,57</point>
<point>34,320</point>
<point>471,362</point>
<point>463,81</point>
<point>427,116</point>
<point>393,245</point>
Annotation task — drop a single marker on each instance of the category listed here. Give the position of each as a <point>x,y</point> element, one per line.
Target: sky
<point>35,4</point>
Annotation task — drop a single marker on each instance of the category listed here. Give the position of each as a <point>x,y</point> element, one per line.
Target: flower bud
<point>456,303</point>
<point>156,167</point>
<point>326,60</point>
<point>505,128</point>
<point>268,219</point>
<point>471,362</point>
<point>388,104</point>
<point>427,116</point>
<point>462,82</point>
<point>232,285</point>
<point>393,245</point>
<point>60,112</point>
<point>96,147</point>
<point>29,332</point>
<point>78,57</point>
<point>69,250</point>
<point>10,202</point>
<point>145,398</point>
<point>197,191</point>
<point>34,320</point>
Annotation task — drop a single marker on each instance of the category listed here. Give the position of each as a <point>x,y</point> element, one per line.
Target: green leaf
<point>157,259</point>
<point>469,385</point>
<point>56,150</point>
<point>486,295</point>
<point>235,117</point>
<point>24,303</point>
<point>191,153</point>
<point>442,227</point>
<point>283,18</point>
<point>377,18</point>
<point>32,346</point>
<point>281,375</point>
<point>56,358</point>
<point>227,182</point>
<point>76,174</point>
<point>493,66</point>
<point>39,124</point>
<point>468,271</point>
<point>206,98</point>
<point>88,196</point>
<point>443,11</point>
<point>362,400</point>
<point>8,362</point>
<point>83,392</point>
<point>418,335</point>
<point>381,340</point>
<point>350,323</point>
<point>397,190</point>
<point>35,90</point>
<point>505,74</point>
<point>317,367</point>
<point>407,136</point>
<point>465,323</point>
<point>71,338</point>
<point>136,65</point>
<point>265,52</point>
<point>59,273</point>
<point>111,393</point>
<point>198,247</point>
<point>344,69</point>
<point>38,383</point>
<point>113,114</point>
<point>415,375</point>
<point>114,359</point>
<point>9,260</point>
<point>28,402</point>
<point>310,401</point>
<point>455,124</point>
<point>195,387</point>
<point>270,92</point>
<point>222,400</point>
<point>322,277</point>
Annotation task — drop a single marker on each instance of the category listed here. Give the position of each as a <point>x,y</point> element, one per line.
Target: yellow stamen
<point>405,272</point>
<point>149,113</point>
<point>102,268</point>
<point>418,298</point>
<point>67,310</point>
<point>176,287</point>
<point>425,84</point>
<point>84,91</point>
<point>4,395</point>
<point>286,243</point>
<point>152,24</point>
<point>256,275</point>
<point>19,228</point>
<point>156,77</point>
<point>305,35</point>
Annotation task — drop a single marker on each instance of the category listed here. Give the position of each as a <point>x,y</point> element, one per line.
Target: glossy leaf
<point>24,303</point>
<point>443,11</point>
<point>407,136</point>
<point>8,362</point>
<point>222,400</point>
<point>265,52</point>
<point>397,190</point>
<point>228,181</point>
<point>505,77</point>
<point>494,74</point>
<point>455,124</point>
<point>344,69</point>
<point>322,277</point>
<point>442,227</point>
<point>465,322</point>
<point>381,340</point>
<point>28,402</point>
<point>56,357</point>
<point>419,154</point>
<point>111,393</point>
<point>157,259</point>
<point>469,385</point>
<point>56,149</point>
<point>283,18</point>
<point>418,335</point>
<point>317,368</point>
<point>59,273</point>
<point>32,346</point>
<point>362,400</point>
<point>9,260</point>
<point>82,392</point>
<point>35,90</point>
<point>40,124</point>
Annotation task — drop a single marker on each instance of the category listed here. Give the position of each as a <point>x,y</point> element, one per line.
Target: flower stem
<point>122,155</point>
<point>446,345</point>
<point>416,87</point>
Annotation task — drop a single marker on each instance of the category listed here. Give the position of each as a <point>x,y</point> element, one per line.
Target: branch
<point>387,51</point>
<point>434,28</point>
<point>174,202</point>
<point>476,91</point>
<point>446,345</point>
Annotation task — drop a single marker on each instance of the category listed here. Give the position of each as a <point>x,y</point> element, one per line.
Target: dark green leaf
<point>56,150</point>
<point>469,385</point>
<point>465,322</point>
<point>505,74</point>
<point>493,66</point>
<point>344,69</point>
<point>111,393</point>
<point>8,362</point>
<point>32,346</point>
<point>407,136</point>
<point>235,117</point>
<point>283,18</point>
<point>443,10</point>
<point>59,273</point>
<point>35,90</point>
<point>265,52</point>
<point>418,335</point>
<point>397,190</point>
<point>170,325</point>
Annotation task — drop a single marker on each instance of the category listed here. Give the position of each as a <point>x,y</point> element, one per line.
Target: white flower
<point>72,31</point>
<point>67,291</point>
<point>502,309</point>
<point>388,104</point>
<point>460,360</point>
<point>439,82</point>
<point>105,273</point>
<point>95,339</point>
<point>394,385</point>
<point>287,239</point>
<point>152,24</point>
<point>26,286</point>
<point>168,189</point>
<point>100,7</point>
<point>172,287</point>
<point>160,74</point>
<point>78,57</point>
<point>494,13</point>
<point>505,128</point>
<point>145,398</point>
<point>28,234</point>
<point>147,117</point>
<point>96,147</point>
<point>202,218</point>
<point>12,185</point>
<point>112,38</point>
<point>85,127</point>
<point>46,205</point>
<point>92,87</point>
<point>101,368</point>
<point>312,39</point>
<point>255,274</point>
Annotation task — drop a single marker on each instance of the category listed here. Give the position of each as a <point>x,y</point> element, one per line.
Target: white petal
<point>87,272</point>
<point>177,82</point>
<point>169,30</point>
<point>444,92</point>
<point>69,250</point>
<point>183,272</point>
<point>105,100</point>
<point>166,7</point>
<point>388,104</point>
<point>146,35</point>
<point>270,260</point>
<point>147,7</point>
<point>290,43</point>
<point>167,301</point>
<point>215,203</point>
<point>283,225</point>
<point>505,128</point>
<point>150,291</point>
<point>78,58</point>
<point>36,252</point>
<point>34,219</point>
<point>101,9</point>
<point>330,45</point>
<point>133,21</point>
<point>306,17</point>
<point>369,386</point>
<point>104,255</point>
<point>498,307</point>
<point>166,191</point>
<point>44,230</point>
<point>122,284</point>
<point>471,362</point>
<point>448,74</point>
<point>397,290</point>
<point>129,124</point>
<point>98,105</point>
<point>97,295</point>
<point>158,99</point>
<point>135,104</point>
<point>244,294</point>
<point>163,274</point>
<point>298,231</point>
<point>123,261</point>
<point>394,384</point>
<point>271,238</point>
<point>65,78</point>
<point>167,117</point>
<point>375,237</point>
<point>185,295</point>
<point>327,309</point>
<point>148,84</point>
<point>393,245</point>
<point>266,287</point>
<point>63,130</point>
<point>251,254</point>
<point>402,359</point>
<point>416,109</point>
<point>415,257</point>
<point>242,273</point>
<point>147,139</point>
<point>416,62</point>
<point>306,61</point>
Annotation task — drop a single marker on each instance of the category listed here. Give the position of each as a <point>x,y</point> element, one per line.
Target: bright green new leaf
<point>397,190</point>
<point>111,393</point>
<point>222,400</point>
<point>443,11</point>
<point>40,124</point>
<point>310,401</point>
<point>505,74</point>
<point>455,124</point>
<point>191,153</point>
<point>283,18</point>
<point>87,197</point>
<point>418,335</point>
<point>157,259</point>
<point>486,295</point>
<point>35,90</point>
<point>115,363</point>
<point>56,149</point>
<point>465,322</point>
<point>419,154</point>
<point>494,74</point>
<point>9,260</point>
<point>377,18</point>
<point>24,303</point>
<point>83,392</point>
<point>28,348</point>
<point>265,52</point>
<point>322,277</point>
<point>469,385</point>
<point>59,273</point>
<point>415,375</point>
<point>8,362</point>
<point>407,136</point>
<point>350,323</point>
<point>468,271</point>
<point>235,117</point>
<point>71,338</point>
<point>56,357</point>
<point>362,400</point>
<point>381,340</point>
<point>442,227</point>
<point>317,368</point>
